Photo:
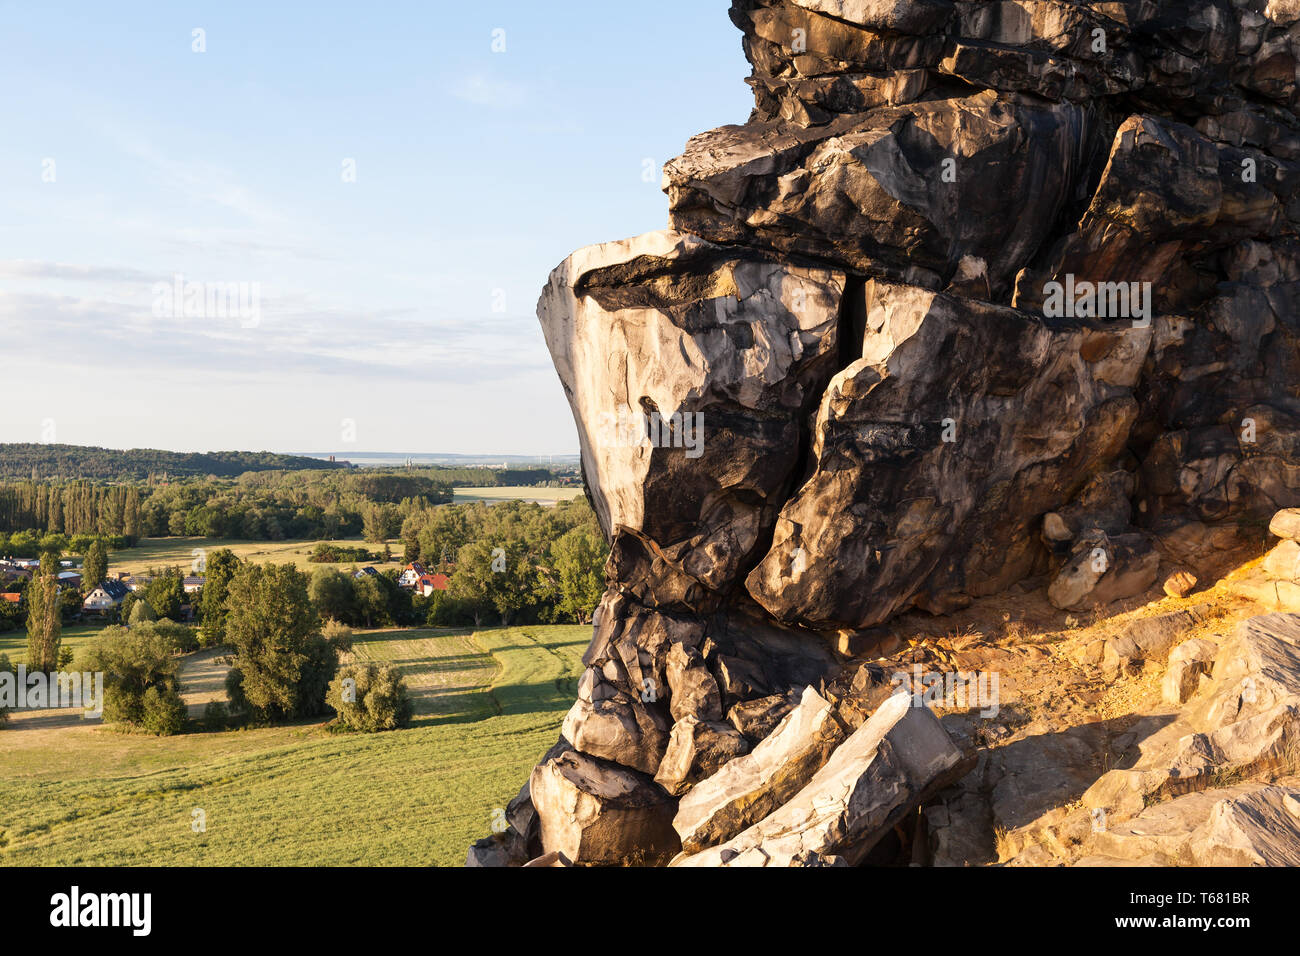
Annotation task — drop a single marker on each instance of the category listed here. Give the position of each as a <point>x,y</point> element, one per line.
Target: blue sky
<point>401,302</point>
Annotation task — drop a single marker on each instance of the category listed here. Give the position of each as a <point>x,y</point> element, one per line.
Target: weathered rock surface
<point>1244,825</point>
<point>979,291</point>
<point>1147,639</point>
<point>1245,721</point>
<point>889,193</point>
<point>750,787</point>
<point>738,347</point>
<point>697,749</point>
<point>933,467</point>
<point>1103,568</point>
<point>873,778</point>
<point>1189,664</point>
<point>594,811</point>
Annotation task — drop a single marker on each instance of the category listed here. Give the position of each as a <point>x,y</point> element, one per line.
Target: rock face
<point>871,780</point>
<point>1246,720</point>
<point>750,787</point>
<point>981,293</point>
<point>599,812</point>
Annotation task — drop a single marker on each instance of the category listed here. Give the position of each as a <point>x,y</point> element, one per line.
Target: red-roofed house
<point>428,583</point>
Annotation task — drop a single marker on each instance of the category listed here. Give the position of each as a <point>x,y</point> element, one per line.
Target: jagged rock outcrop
<point>884,768</point>
<point>982,293</point>
<point>1247,720</point>
<point>750,787</point>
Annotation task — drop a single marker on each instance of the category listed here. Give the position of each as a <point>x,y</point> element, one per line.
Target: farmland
<point>488,703</point>
<point>180,552</point>
<point>538,494</point>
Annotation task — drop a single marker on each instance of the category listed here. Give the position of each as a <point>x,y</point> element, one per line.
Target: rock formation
<point>982,292</point>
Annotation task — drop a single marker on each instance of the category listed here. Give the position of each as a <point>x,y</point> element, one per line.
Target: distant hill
<point>18,460</point>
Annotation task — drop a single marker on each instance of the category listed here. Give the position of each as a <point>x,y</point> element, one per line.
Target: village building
<point>106,597</point>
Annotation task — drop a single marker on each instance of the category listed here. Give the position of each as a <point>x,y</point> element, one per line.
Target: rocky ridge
<point>989,306</point>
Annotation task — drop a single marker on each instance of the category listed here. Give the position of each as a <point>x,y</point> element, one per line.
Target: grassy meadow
<point>488,704</point>
<point>516,493</point>
<point>179,552</point>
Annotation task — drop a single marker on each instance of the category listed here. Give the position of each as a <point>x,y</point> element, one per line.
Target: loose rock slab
<point>750,787</point>
<point>880,772</point>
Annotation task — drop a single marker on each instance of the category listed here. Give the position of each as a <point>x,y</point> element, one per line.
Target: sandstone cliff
<point>983,296</point>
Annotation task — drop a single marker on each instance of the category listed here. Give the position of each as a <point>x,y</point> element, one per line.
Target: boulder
<point>1286,524</point>
<point>1283,562</point>
<point>752,786</point>
<point>507,848</point>
<point>1245,721</point>
<point>622,728</point>
<point>1104,568</point>
<point>1189,664</point>
<point>1179,584</point>
<point>694,691</point>
<point>757,718</point>
<point>594,811</point>
<point>1149,639</point>
<point>697,749</point>
<point>872,780</point>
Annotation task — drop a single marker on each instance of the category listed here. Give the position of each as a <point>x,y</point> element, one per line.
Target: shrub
<point>378,701</point>
<point>141,612</point>
<point>164,712</point>
<point>216,716</point>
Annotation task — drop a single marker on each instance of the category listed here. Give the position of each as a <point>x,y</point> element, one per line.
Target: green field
<point>488,704</point>
<point>179,552</point>
<point>14,643</point>
<point>516,493</point>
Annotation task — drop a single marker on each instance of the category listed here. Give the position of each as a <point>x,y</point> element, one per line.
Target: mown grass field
<point>179,552</point>
<point>488,704</point>
<point>517,493</point>
<point>14,643</point>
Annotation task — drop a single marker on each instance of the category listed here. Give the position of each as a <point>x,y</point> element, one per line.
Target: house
<point>411,575</point>
<point>69,579</point>
<point>192,584</point>
<point>105,597</point>
<point>366,572</point>
<point>428,583</point>
<point>12,598</point>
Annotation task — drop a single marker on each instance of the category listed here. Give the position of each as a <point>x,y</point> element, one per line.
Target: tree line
<point>29,459</point>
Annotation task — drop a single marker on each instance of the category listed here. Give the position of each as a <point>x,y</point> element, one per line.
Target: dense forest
<point>21,460</point>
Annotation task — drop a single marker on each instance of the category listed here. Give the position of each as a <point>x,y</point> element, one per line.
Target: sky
<point>381,190</point>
